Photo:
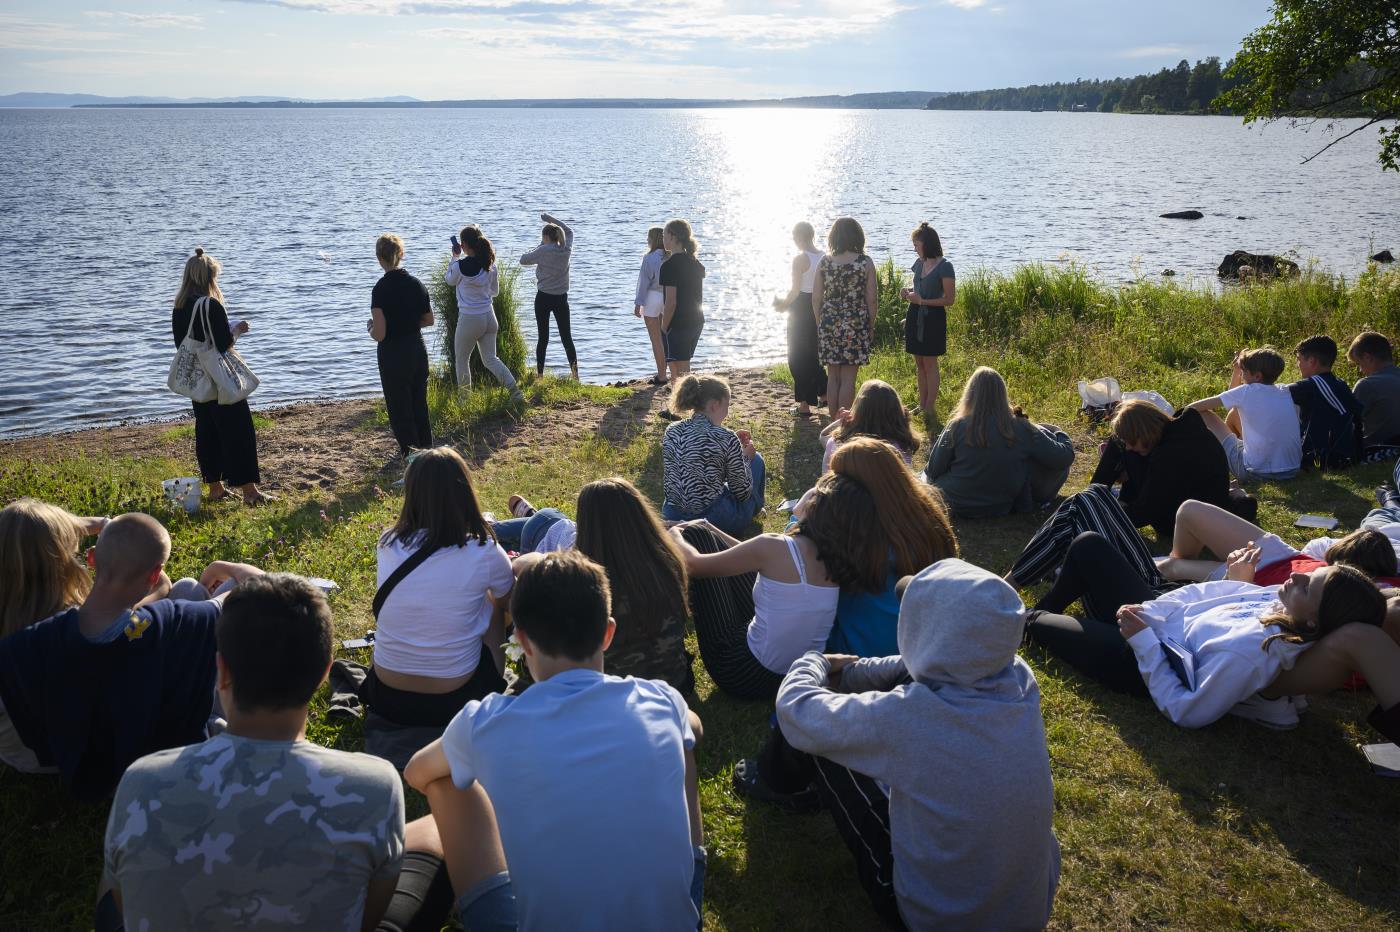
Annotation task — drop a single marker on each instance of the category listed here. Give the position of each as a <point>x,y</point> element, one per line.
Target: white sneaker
<point>1279,714</point>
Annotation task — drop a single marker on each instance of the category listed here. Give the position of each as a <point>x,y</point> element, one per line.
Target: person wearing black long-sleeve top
<point>399,310</point>
<point>225,441</point>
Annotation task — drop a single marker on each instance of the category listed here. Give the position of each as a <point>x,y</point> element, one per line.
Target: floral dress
<point>843,337</point>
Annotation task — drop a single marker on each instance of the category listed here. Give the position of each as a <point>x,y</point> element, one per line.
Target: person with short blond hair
<point>399,310</point>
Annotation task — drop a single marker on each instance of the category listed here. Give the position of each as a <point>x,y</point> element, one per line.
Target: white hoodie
<point>1218,624</point>
<point>962,749</point>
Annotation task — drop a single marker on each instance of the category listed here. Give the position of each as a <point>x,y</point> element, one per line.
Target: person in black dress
<point>225,441</point>
<point>808,373</point>
<point>399,310</point>
<point>926,325</point>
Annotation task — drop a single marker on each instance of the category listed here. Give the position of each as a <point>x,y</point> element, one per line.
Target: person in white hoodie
<point>934,762</point>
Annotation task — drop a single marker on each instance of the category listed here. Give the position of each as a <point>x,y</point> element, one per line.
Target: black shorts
<point>932,338</point>
<point>681,339</point>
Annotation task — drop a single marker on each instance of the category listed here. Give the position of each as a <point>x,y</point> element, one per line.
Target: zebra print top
<point>699,458</point>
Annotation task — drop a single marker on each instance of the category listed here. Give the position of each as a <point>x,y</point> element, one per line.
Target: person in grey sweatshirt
<point>952,727</point>
<point>551,260</point>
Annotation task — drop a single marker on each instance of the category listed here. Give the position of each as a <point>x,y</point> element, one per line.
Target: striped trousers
<point>722,608</point>
<point>1094,509</point>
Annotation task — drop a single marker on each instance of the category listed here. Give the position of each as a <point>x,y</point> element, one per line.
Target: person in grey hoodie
<point>551,259</point>
<point>953,728</point>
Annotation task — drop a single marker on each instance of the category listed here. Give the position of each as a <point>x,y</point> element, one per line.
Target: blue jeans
<point>726,512</point>
<point>523,535</point>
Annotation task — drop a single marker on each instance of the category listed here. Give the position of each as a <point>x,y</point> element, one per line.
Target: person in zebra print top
<point>709,471</point>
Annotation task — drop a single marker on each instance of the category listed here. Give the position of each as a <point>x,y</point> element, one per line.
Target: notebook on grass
<point>1384,758</point>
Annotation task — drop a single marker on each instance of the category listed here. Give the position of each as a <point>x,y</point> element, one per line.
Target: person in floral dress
<point>845,294</point>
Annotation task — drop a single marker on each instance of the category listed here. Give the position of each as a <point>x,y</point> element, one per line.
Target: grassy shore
<point>1229,826</point>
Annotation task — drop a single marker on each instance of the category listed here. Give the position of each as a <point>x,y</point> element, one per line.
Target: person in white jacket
<point>934,762</point>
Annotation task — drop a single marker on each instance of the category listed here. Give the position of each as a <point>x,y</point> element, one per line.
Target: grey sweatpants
<point>479,330</point>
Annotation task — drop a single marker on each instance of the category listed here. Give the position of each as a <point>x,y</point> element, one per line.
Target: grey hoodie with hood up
<point>961,748</point>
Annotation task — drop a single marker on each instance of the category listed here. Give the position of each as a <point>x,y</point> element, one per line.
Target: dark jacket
<point>1187,463</point>
<point>1331,421</point>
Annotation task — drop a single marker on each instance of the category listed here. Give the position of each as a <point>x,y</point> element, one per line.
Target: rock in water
<point>1184,215</point>
<point>1261,265</point>
<point>1168,273</point>
<point>1383,256</point>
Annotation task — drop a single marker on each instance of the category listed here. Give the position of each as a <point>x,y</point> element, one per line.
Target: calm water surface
<point>101,208</point>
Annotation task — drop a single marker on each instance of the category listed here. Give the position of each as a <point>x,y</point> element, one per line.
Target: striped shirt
<point>700,458</point>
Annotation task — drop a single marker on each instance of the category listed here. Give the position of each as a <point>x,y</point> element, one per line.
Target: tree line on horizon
<point>1187,88</point>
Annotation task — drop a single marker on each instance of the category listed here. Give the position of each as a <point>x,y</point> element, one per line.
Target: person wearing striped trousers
<point>722,608</point>
<point>1094,509</point>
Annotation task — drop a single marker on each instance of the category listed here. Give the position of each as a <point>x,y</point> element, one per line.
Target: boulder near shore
<point>1240,264</point>
<point>1183,215</point>
<point>1383,256</point>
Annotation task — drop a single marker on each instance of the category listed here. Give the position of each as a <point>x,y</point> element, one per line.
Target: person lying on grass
<point>1269,561</point>
<point>1260,435</point>
<point>94,687</point>
<point>1203,650</point>
<point>933,762</point>
<point>576,804</point>
<point>258,826</point>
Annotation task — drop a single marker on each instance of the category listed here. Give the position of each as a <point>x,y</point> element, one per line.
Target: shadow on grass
<point>628,418</point>
<point>802,457</point>
<point>1309,789</point>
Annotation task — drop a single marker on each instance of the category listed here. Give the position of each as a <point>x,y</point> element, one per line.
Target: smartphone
<point>455,245</point>
<point>355,643</point>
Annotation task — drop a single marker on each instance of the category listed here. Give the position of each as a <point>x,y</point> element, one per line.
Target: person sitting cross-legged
<point>257,827</point>
<point>934,763</point>
<point>1261,437</point>
<point>575,804</point>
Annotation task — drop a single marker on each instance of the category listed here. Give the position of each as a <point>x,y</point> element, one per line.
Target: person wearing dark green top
<point>991,459</point>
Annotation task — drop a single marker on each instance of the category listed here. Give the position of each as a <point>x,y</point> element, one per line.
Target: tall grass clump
<point>1046,327</point>
<point>889,320</point>
<point>510,342</point>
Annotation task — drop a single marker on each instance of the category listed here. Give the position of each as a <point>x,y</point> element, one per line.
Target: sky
<point>437,49</point>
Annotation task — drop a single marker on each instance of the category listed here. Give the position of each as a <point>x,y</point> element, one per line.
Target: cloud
<point>630,25</point>
<point>151,20</point>
<point>967,4</point>
<point>1153,51</point>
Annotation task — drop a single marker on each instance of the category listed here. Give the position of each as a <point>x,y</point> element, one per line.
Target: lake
<point>103,207</point>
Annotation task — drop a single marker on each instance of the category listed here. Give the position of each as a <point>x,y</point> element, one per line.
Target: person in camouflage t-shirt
<point>257,826</point>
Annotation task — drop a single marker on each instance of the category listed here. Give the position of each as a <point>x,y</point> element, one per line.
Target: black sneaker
<point>750,785</point>
<point>668,415</point>
<point>1387,497</point>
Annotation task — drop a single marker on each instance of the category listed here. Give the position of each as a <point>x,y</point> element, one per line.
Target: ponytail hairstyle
<point>201,270</point>
<point>681,232</point>
<point>877,412</point>
<point>1348,595</point>
<point>479,245</point>
<point>654,239</point>
<point>389,249</point>
<point>554,233</point>
<point>693,392</point>
<point>930,247</point>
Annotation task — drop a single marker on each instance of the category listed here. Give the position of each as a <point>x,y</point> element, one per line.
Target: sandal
<point>749,784</point>
<point>519,507</point>
<point>657,380</point>
<point>798,412</point>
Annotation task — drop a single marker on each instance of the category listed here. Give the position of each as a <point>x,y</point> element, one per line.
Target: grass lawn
<point>1228,826</point>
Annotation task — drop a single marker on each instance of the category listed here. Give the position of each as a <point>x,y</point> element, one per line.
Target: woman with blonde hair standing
<point>682,282</point>
<point>926,325</point>
<point>846,296</point>
<point>651,299</point>
<point>808,376</point>
<point>225,440</point>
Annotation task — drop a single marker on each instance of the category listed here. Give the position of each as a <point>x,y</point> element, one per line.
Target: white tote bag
<point>187,374</point>
<point>232,378</point>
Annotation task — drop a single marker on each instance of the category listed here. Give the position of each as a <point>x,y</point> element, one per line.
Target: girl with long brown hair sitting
<point>877,412</point>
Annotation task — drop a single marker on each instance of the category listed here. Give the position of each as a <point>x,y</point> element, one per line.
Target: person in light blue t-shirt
<point>575,804</point>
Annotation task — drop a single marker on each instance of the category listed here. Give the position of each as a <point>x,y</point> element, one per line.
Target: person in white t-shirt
<point>439,633</point>
<point>1261,437</point>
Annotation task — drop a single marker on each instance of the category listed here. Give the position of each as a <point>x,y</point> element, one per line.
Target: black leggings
<point>431,709</point>
<point>558,305</point>
<point>1096,573</point>
<point>722,608</point>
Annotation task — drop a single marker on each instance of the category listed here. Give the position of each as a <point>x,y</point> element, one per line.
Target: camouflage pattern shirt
<point>237,833</point>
